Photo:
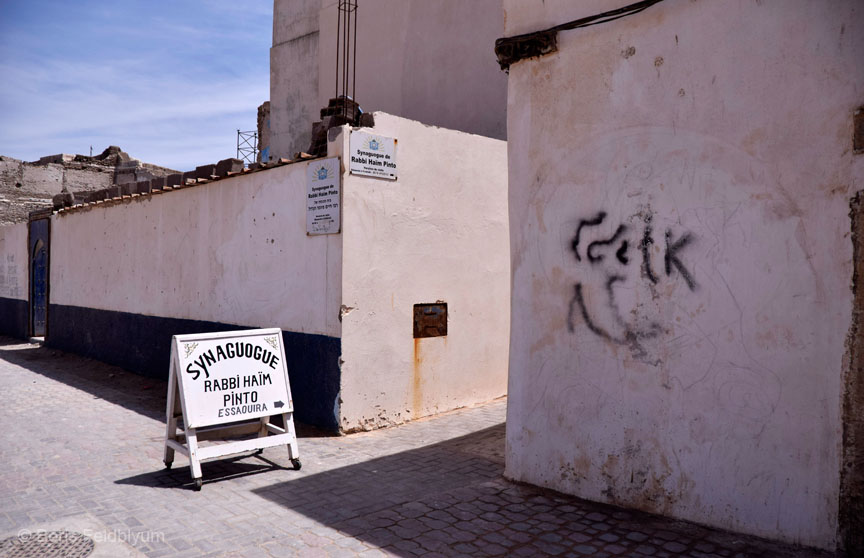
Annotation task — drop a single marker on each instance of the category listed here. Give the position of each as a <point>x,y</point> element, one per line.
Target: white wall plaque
<point>222,378</point>
<point>373,155</point>
<point>323,203</point>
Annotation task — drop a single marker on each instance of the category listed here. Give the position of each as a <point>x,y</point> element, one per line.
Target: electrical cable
<point>512,49</point>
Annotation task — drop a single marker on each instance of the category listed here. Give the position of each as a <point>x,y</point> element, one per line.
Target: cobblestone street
<point>82,445</point>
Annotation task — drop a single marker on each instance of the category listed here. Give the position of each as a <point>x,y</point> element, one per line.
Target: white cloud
<point>174,90</point>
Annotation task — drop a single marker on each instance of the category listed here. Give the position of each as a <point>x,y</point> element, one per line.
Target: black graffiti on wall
<point>611,257</point>
<point>671,257</point>
<point>645,246</point>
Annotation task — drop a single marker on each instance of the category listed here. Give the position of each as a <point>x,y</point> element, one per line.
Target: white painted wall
<point>293,76</point>
<point>427,61</point>
<point>13,262</point>
<point>233,251</point>
<point>437,233</point>
<point>527,16</point>
<point>731,122</point>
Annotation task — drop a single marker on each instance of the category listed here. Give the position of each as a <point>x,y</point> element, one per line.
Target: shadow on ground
<point>218,470</point>
<point>450,499</point>
<point>145,396</point>
<point>444,499</point>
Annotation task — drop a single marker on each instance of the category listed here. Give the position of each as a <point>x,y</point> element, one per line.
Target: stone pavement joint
<point>83,440</point>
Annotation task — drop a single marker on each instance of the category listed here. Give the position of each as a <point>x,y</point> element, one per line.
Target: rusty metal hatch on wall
<point>430,320</point>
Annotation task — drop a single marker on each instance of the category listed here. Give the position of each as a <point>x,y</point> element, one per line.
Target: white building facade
<point>680,189</point>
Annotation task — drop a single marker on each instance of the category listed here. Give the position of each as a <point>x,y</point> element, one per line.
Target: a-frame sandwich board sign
<point>220,384</point>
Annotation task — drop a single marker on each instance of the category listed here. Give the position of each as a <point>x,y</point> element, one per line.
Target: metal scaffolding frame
<point>247,146</point>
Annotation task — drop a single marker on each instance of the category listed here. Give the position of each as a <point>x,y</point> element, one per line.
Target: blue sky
<point>169,81</point>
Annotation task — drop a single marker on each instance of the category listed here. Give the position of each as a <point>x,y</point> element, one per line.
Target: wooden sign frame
<point>186,439</point>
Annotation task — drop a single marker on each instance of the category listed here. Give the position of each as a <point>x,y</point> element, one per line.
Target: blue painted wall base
<point>14,320</point>
<point>142,344</point>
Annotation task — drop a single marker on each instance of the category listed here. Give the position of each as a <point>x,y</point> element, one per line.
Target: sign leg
<point>170,416</point>
<point>170,433</point>
<point>293,450</point>
<point>262,432</point>
<point>194,461</point>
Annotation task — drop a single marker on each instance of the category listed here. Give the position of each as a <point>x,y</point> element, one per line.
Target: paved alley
<point>82,452</point>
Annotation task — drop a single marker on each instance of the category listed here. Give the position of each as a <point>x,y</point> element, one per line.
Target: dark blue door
<point>39,236</point>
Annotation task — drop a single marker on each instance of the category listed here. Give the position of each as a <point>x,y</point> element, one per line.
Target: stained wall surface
<point>680,183</point>
<point>13,280</point>
<point>437,234</point>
